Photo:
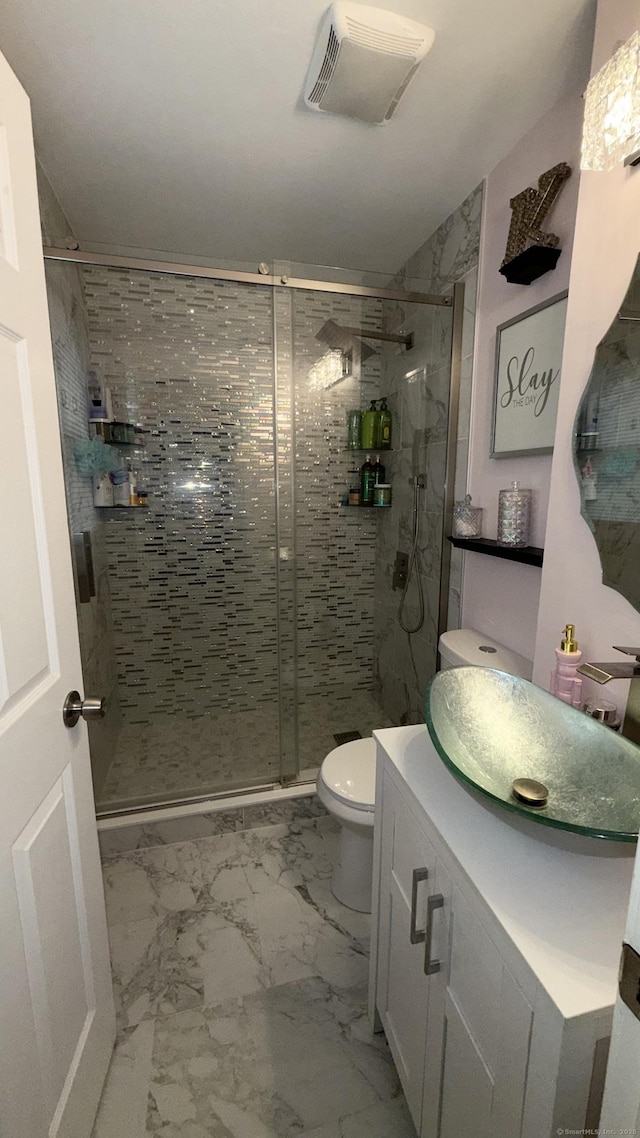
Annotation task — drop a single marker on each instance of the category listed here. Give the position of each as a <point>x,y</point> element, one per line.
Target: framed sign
<point>527,383</point>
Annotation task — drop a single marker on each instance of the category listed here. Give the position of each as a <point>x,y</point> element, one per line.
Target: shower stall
<point>229,613</point>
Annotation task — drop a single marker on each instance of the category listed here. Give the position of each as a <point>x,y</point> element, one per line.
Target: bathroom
<point>305,605</point>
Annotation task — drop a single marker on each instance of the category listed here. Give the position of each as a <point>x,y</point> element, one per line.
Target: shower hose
<point>413,566</point>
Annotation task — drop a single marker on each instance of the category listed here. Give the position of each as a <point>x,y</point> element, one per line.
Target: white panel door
<point>55,989</point>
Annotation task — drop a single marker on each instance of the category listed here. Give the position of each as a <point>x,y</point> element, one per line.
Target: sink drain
<point>530,792</point>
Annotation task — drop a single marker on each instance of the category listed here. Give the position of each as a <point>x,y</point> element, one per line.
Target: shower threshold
<point>262,795</point>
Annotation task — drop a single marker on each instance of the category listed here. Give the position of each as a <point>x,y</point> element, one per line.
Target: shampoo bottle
<point>379,472</point>
<point>565,683</point>
<point>369,431</point>
<point>366,482</point>
<point>384,425</point>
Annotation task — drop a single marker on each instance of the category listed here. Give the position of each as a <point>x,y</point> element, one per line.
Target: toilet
<point>346,782</point>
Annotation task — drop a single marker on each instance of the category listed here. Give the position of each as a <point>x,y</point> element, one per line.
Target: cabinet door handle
<point>435,901</point>
<point>418,875</point>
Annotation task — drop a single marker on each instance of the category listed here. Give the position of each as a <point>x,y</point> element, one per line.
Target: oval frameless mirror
<point>607,448</point>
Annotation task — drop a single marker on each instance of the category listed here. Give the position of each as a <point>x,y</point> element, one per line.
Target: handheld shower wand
<point>418,485</point>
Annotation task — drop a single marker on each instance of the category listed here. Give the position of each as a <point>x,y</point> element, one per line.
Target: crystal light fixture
<point>611,132</point>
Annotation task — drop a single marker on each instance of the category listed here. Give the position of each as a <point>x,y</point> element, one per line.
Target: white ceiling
<point>178,125</point>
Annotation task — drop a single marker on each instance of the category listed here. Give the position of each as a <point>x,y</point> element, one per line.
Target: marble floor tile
<point>263,1066</point>
<point>185,959</point>
<point>389,1120</point>
<point>241,986</point>
<point>289,810</point>
<point>123,1109</point>
<point>248,863</point>
<point>154,881</point>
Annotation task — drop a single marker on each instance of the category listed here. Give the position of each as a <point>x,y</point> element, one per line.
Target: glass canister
<point>467,519</point>
<point>382,494</point>
<point>514,516</point>
<point>354,429</point>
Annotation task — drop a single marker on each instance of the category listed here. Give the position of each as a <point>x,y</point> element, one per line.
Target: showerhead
<point>343,340</point>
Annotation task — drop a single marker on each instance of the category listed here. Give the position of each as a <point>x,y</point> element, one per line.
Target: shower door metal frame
<point>268,280</point>
<point>455,375</point>
<point>453,300</point>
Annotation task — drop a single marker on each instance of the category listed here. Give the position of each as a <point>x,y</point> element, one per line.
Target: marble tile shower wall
<point>417,383</point>
<point>69,335</point>
<point>194,591</point>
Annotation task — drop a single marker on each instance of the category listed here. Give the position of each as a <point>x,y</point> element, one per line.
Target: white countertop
<point>560,897</point>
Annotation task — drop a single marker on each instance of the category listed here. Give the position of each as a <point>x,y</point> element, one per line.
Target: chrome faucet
<point>621,670</point>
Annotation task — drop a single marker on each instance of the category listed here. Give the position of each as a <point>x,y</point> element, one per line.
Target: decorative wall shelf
<point>529,555</point>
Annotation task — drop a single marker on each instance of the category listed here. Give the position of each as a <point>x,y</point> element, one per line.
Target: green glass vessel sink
<point>492,729</point>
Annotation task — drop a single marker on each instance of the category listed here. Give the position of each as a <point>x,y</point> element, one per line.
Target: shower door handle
<point>84,566</point>
<point>74,707</point>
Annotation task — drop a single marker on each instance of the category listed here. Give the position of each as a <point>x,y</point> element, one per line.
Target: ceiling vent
<point>364,60</point>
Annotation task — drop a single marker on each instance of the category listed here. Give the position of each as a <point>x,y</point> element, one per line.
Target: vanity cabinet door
<point>408,865</point>
<point>479,1051</point>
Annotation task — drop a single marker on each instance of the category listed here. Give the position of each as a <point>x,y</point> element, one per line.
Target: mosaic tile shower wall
<point>196,583</point>
<point>335,546</point>
<point>69,336</point>
<point>418,387</point>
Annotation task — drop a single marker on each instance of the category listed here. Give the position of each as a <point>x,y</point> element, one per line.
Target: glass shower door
<point>183,632</point>
<point>327,548</point>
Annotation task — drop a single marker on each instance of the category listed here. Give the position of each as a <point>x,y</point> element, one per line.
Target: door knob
<point>74,707</point>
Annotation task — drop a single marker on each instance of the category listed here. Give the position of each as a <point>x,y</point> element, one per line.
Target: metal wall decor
<point>531,251</point>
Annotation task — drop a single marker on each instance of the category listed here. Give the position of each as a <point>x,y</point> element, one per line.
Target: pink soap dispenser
<point>565,683</point>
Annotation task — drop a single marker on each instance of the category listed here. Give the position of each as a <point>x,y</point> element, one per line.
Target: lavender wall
<point>501,598</point>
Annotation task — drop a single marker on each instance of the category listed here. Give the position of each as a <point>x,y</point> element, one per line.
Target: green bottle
<point>384,426</point>
<point>366,482</point>
<point>369,431</point>
<point>378,471</point>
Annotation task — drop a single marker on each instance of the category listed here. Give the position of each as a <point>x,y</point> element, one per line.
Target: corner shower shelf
<point>365,506</point>
<point>529,555</point>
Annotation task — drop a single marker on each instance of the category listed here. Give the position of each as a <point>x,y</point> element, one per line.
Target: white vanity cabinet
<point>494,954</point>
<point>409,875</point>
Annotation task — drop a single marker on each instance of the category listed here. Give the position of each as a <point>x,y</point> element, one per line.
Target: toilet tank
<point>467,646</point>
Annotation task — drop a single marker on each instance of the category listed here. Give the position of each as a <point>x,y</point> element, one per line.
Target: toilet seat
<point>349,773</point>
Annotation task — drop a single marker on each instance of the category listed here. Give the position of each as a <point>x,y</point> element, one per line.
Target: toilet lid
<point>349,772</point>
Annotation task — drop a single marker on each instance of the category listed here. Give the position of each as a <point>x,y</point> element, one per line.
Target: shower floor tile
<point>177,757</point>
<point>241,990</point>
